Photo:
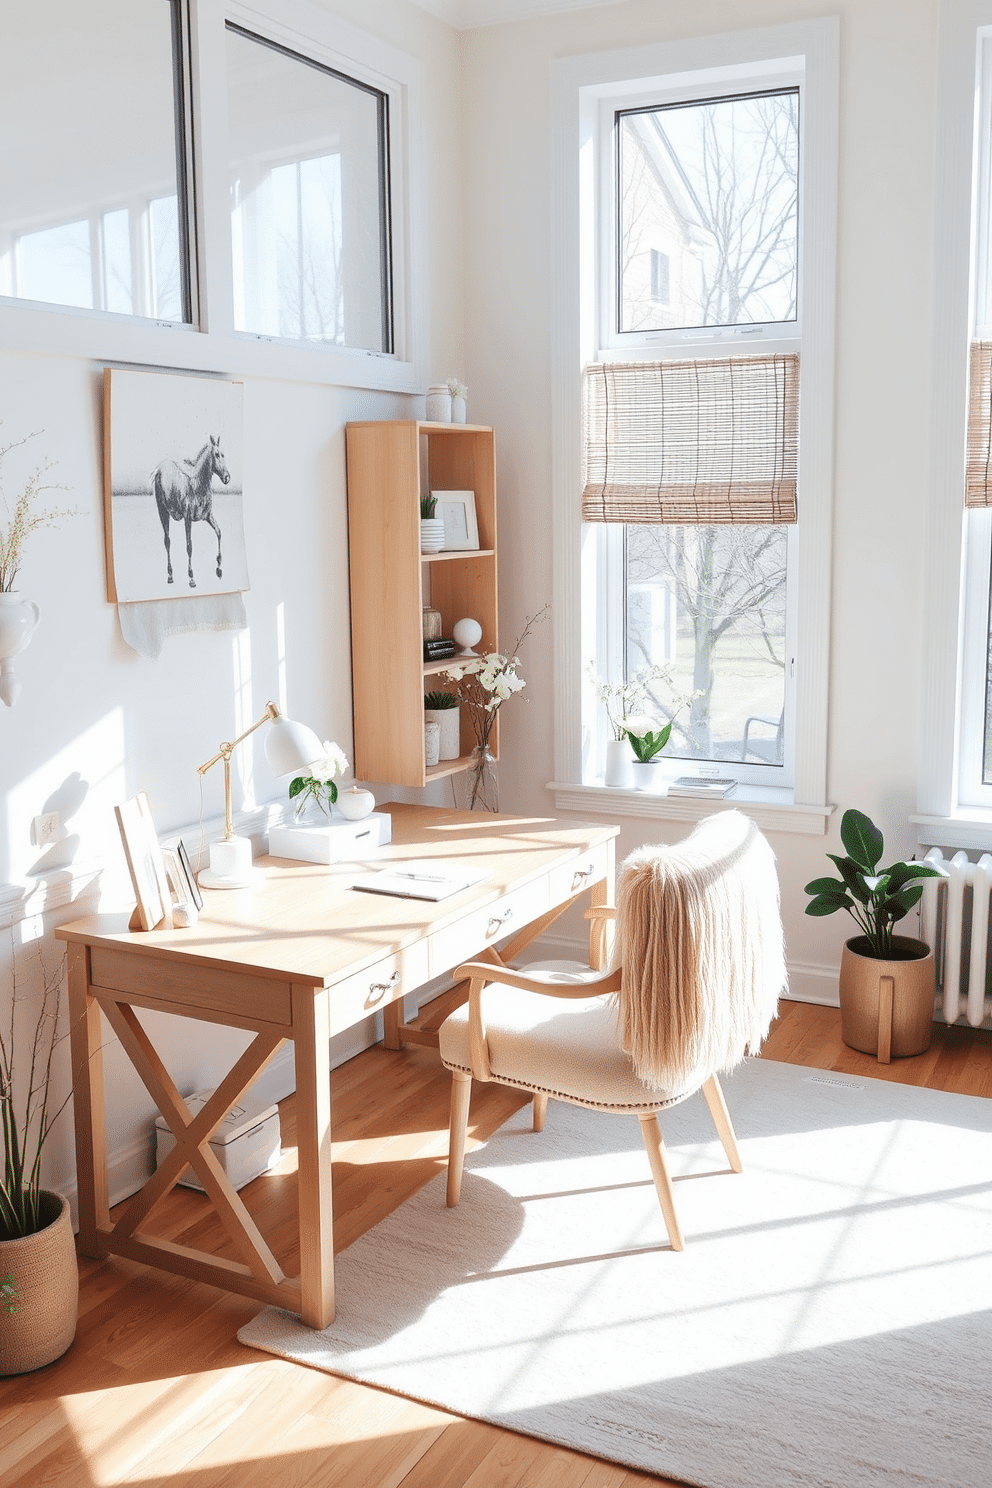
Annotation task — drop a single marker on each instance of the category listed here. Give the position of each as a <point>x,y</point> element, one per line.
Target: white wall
<point>885,231</point>
<point>95,721</point>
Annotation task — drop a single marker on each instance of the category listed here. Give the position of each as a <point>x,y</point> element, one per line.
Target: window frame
<point>945,816</point>
<point>210,342</point>
<point>579,87</point>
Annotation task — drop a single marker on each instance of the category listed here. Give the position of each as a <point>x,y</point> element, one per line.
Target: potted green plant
<point>431,526</point>
<point>646,765</point>
<point>886,980</point>
<point>442,708</point>
<point>39,1279</point>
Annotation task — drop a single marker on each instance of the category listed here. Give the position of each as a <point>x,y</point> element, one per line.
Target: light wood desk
<point>300,956</point>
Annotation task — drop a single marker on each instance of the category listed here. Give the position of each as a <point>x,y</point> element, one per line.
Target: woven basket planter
<point>44,1272</point>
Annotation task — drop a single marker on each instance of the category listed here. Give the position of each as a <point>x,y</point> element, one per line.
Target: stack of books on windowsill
<point>706,786</point>
<point>439,650</point>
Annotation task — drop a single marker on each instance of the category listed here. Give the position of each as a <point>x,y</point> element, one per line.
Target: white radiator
<point>954,919</point>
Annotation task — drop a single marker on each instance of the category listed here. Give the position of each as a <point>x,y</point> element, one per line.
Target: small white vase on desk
<point>618,763</point>
<point>18,619</point>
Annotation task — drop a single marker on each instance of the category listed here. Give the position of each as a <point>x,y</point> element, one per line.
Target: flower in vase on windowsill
<point>483,685</point>
<point>318,789</point>
<point>627,699</point>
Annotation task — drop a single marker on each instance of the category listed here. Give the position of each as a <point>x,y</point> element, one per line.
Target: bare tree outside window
<point>708,603</point>
<point>715,186</point>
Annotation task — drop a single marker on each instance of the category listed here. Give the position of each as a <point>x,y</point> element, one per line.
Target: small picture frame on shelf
<point>457,511</point>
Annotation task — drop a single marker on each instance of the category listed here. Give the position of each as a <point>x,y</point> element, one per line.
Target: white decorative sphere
<point>466,633</point>
<point>354,803</point>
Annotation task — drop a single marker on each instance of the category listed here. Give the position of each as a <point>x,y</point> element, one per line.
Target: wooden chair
<point>643,1036</point>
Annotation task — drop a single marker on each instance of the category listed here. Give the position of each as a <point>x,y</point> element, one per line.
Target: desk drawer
<point>245,999</point>
<point>571,878</point>
<point>484,927</point>
<point>378,985</point>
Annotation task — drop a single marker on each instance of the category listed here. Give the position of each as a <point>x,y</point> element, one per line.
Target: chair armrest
<point>600,912</point>
<point>479,973</point>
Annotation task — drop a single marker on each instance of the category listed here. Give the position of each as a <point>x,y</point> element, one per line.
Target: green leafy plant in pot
<point>886,980</point>
<point>39,1282</point>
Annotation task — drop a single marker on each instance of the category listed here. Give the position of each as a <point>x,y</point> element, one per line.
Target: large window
<point>309,198</point>
<point>92,179</point>
<point>975,726</point>
<point>695,192</point>
<point>703,197</point>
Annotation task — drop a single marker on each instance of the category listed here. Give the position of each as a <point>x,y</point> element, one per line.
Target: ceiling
<point>464,14</point>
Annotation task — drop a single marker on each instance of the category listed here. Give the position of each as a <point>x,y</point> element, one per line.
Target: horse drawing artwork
<point>183,493</point>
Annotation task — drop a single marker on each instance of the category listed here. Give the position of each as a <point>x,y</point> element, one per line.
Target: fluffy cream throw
<point>699,938</point>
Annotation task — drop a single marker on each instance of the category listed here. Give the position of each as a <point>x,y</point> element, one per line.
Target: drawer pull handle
<point>497,920</point>
<point>581,873</point>
<point>378,990</point>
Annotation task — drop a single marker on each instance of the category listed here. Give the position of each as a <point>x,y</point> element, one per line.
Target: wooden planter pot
<point>886,1007</point>
<point>42,1267</point>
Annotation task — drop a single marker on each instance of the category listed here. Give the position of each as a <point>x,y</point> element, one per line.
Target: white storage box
<point>245,1144</point>
<point>332,843</point>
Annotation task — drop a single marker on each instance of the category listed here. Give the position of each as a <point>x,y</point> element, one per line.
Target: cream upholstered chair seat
<point>566,1050</point>
<point>700,965</point>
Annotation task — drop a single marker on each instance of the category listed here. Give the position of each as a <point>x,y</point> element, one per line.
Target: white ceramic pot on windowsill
<point>649,776</point>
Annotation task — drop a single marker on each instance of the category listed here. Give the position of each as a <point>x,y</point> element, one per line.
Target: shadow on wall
<point>60,850</point>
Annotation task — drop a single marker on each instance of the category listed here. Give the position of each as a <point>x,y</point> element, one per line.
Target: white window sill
<point>770,808</point>
<point>966,827</point>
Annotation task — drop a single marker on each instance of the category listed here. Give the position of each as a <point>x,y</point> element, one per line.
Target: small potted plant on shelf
<point>431,526</point>
<point>442,708</point>
<point>39,1279</point>
<point>886,980</point>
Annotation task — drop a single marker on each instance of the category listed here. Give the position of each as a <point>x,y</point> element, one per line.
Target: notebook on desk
<point>427,878</point>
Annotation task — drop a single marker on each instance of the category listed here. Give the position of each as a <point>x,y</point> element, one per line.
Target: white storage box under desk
<point>246,1143</point>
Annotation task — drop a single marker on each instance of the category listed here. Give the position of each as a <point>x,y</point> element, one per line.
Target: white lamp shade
<point>291,748</point>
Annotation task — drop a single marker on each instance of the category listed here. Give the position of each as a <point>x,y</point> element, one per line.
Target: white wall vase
<point>431,534</point>
<point>618,763</point>
<point>649,775</point>
<point>448,721</point>
<point>18,619</point>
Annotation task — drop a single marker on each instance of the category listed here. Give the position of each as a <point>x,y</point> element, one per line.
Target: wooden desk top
<point>303,922</point>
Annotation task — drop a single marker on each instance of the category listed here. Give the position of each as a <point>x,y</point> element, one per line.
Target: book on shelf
<point>439,650</point>
<point>702,785</point>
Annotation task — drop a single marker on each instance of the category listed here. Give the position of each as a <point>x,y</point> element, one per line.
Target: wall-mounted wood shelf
<point>390,464</point>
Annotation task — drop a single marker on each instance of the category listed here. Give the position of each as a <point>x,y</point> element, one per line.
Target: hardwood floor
<point>156,1392</point>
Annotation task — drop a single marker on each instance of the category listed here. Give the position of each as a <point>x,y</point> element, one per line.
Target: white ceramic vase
<point>18,619</point>
<point>618,763</point>
<point>431,534</point>
<point>458,409</point>
<point>448,721</point>
<point>649,776</point>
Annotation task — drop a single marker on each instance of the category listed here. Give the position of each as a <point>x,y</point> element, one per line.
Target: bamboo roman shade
<point>699,441</point>
<point>978,470</point>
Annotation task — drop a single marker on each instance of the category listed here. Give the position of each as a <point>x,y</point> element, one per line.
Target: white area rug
<point>829,1324</point>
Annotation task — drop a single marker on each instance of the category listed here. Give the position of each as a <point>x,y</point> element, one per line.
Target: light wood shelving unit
<point>390,464</point>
